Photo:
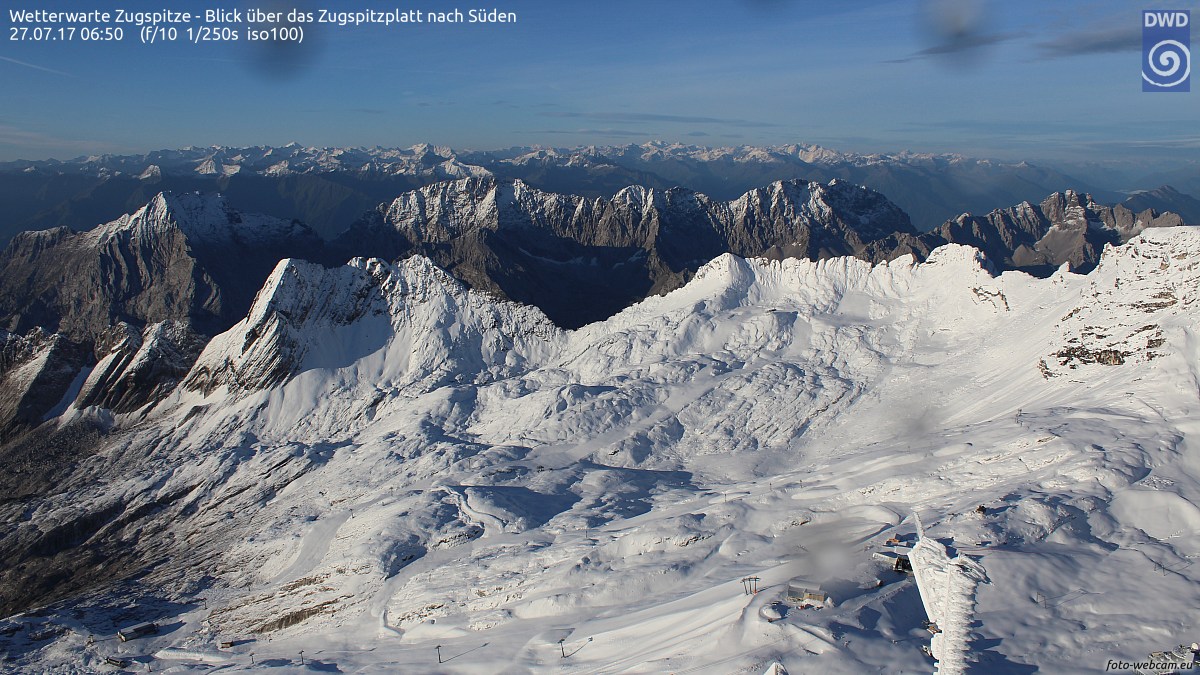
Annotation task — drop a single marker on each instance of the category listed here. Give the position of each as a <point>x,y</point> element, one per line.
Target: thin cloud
<point>502,103</point>
<point>1094,41</point>
<point>36,67</point>
<point>623,133</point>
<point>356,110</point>
<point>37,141</point>
<point>652,117</point>
<point>1152,144</point>
<point>1019,127</point>
<point>959,45</point>
<point>1109,36</point>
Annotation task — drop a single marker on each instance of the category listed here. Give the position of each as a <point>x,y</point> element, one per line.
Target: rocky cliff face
<point>36,372</point>
<point>139,367</point>
<point>581,260</point>
<point>1066,228</point>
<point>124,307</point>
<point>180,257</point>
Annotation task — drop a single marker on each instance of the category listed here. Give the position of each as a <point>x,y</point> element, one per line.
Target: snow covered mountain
<point>388,470</point>
<point>326,189</point>
<point>420,160</point>
<point>411,302</point>
<point>138,297</point>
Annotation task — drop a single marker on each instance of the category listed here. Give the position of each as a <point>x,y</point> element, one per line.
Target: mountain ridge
<point>131,304</point>
<point>328,187</point>
<point>517,241</point>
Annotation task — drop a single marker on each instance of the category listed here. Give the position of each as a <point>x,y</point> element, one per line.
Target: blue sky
<point>1023,80</point>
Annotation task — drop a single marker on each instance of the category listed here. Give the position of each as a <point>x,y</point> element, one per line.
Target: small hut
<point>137,631</point>
<point>805,592</point>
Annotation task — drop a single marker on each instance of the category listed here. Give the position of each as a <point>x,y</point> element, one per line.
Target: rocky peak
<point>1066,227</point>
<point>410,318</point>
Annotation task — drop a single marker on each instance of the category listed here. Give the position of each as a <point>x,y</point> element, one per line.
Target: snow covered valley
<point>380,471</point>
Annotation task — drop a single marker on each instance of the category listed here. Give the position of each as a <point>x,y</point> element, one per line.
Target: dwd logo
<point>1166,57</point>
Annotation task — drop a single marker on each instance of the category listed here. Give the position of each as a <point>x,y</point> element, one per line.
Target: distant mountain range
<point>328,188</point>
<point>1166,198</point>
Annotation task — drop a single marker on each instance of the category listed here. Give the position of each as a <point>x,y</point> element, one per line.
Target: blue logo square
<point>1166,50</point>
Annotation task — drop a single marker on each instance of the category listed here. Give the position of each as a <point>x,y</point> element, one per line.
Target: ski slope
<point>379,466</point>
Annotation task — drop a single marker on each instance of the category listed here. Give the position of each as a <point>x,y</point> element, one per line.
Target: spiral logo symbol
<point>1169,64</point>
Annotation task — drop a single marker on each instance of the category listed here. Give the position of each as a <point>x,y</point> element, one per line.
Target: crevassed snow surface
<point>379,466</point>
